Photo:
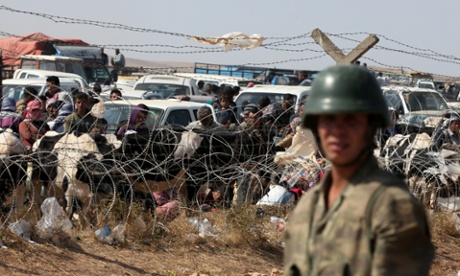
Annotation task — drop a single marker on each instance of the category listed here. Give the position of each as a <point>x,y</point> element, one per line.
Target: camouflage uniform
<point>369,230</point>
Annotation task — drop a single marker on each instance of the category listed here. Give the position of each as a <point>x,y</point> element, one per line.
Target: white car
<point>408,99</point>
<point>43,74</point>
<point>274,92</point>
<point>167,85</point>
<point>161,112</point>
<point>14,88</point>
<point>217,79</point>
<point>133,95</point>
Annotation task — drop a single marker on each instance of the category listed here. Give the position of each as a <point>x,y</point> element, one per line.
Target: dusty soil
<point>247,245</point>
<point>88,257</point>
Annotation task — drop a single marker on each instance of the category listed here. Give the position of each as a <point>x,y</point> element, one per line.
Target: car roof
<point>199,76</point>
<point>47,73</point>
<point>52,58</point>
<point>130,92</point>
<point>407,89</point>
<point>287,89</point>
<point>163,104</point>
<point>430,112</point>
<point>163,79</point>
<point>38,81</point>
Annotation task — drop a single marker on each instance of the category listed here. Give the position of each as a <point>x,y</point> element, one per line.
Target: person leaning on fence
<point>81,120</point>
<point>360,220</point>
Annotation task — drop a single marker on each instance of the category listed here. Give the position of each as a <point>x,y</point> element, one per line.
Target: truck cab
<point>65,64</point>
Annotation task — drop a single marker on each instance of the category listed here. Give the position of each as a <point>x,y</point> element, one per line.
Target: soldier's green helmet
<point>345,89</point>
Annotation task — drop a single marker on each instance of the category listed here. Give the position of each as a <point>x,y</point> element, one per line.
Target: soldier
<point>361,220</point>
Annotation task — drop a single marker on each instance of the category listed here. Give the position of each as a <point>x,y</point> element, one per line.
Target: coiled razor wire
<point>224,159</point>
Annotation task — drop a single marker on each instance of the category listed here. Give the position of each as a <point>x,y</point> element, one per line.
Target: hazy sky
<point>416,34</point>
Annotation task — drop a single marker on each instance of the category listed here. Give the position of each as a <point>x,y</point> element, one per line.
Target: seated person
<point>167,205</point>
<point>8,116</point>
<point>58,123</point>
<point>32,127</point>
<point>205,120</point>
<point>136,122</point>
<point>451,134</point>
<point>81,119</point>
<point>226,115</point>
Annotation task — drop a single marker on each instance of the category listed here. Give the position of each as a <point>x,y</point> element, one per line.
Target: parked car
<point>134,95</point>
<point>422,121</point>
<point>162,112</point>
<point>274,92</point>
<point>408,99</point>
<point>43,74</point>
<point>167,85</point>
<point>217,79</point>
<point>14,88</point>
<point>420,109</point>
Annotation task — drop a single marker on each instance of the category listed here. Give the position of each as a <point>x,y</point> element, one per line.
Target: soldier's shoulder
<point>304,204</point>
<point>388,179</point>
<point>395,188</point>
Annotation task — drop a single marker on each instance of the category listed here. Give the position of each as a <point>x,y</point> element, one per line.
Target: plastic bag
<point>54,219</point>
<point>21,228</point>
<point>118,234</point>
<point>115,236</point>
<point>203,227</point>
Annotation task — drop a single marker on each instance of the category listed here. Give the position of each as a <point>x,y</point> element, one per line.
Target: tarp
<point>32,44</point>
<point>232,40</point>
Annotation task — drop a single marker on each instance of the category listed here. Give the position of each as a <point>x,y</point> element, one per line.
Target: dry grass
<point>244,237</point>
<point>245,241</point>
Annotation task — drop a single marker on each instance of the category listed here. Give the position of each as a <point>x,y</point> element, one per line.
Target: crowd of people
<point>56,110</point>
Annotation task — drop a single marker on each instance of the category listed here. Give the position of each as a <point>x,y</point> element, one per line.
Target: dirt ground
<point>88,257</point>
<point>247,244</point>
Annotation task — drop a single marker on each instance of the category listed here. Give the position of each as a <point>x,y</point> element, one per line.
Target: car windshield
<point>424,100</point>
<point>118,115</point>
<point>17,91</point>
<point>414,119</point>
<point>253,97</point>
<point>415,100</point>
<point>164,89</point>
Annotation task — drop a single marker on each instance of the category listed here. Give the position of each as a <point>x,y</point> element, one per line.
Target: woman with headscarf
<point>8,116</point>
<point>32,127</point>
<point>136,121</point>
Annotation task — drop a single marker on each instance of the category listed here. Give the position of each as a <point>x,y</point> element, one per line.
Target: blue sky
<point>423,25</point>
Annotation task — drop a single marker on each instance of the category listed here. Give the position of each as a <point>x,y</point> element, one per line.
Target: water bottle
<point>295,178</point>
<point>103,233</point>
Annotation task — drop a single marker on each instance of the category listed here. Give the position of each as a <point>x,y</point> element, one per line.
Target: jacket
<point>375,227</point>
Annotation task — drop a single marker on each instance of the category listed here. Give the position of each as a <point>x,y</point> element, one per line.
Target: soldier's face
<point>343,136</point>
